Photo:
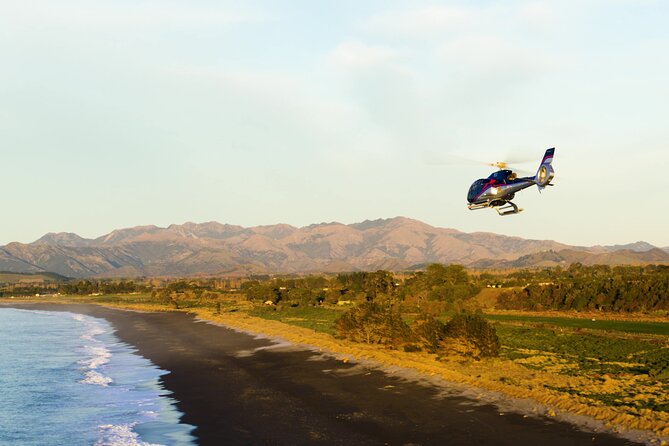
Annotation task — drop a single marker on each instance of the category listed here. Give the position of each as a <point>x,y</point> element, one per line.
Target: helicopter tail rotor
<point>545,173</point>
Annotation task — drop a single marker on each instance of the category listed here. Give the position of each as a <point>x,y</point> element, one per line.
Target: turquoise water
<point>66,379</point>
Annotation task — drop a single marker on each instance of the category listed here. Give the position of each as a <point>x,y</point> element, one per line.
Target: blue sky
<point>121,113</point>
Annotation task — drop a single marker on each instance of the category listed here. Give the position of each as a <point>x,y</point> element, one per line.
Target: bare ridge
<point>214,248</point>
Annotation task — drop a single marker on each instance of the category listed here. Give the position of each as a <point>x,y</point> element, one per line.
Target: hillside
<point>221,249</point>
<point>566,257</point>
<point>215,248</point>
<point>6,278</point>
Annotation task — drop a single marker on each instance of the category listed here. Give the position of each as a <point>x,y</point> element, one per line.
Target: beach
<point>237,389</point>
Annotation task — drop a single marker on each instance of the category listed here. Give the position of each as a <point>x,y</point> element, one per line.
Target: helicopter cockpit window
<point>500,176</point>
<point>475,189</point>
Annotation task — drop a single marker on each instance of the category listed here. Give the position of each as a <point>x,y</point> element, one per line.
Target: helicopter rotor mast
<point>499,164</point>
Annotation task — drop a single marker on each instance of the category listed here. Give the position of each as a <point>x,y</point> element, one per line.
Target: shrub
<point>430,332</point>
<point>477,336</point>
<point>412,348</point>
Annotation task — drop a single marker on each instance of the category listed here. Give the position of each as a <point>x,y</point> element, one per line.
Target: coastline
<point>240,388</point>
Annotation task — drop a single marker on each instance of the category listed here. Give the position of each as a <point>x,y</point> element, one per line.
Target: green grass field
<point>658,328</point>
<point>585,346</point>
<point>319,319</point>
<point>588,350</point>
<point>570,352</point>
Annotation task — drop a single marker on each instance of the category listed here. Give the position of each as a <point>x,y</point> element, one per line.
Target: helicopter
<point>500,187</point>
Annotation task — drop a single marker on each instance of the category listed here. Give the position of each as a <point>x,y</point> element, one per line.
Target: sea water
<point>66,379</point>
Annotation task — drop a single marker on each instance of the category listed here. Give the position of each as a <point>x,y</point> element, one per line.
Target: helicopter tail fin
<point>545,173</point>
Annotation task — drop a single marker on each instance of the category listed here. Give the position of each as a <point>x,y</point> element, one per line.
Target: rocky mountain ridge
<point>221,249</point>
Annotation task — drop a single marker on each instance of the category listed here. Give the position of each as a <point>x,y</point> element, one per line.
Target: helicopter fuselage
<point>500,187</point>
<point>497,190</point>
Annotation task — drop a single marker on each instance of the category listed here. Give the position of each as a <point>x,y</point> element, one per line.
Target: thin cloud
<point>422,21</point>
<point>489,54</point>
<point>538,13</point>
<point>355,55</point>
<point>121,14</point>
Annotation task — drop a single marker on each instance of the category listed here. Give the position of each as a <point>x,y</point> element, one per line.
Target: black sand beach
<point>236,391</point>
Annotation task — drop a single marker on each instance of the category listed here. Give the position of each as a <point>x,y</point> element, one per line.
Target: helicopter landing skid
<point>473,207</point>
<point>508,208</point>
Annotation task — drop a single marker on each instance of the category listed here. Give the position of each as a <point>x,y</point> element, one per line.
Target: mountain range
<point>221,249</point>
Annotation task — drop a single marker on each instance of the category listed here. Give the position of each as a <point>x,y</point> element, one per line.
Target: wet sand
<point>241,390</point>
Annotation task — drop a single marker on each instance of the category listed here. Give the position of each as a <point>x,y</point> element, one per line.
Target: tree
<point>479,336</point>
<point>380,282</point>
<point>430,332</point>
<point>374,323</point>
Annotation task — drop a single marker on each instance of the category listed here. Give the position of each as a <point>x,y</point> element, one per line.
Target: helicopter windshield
<point>475,189</point>
<point>500,176</point>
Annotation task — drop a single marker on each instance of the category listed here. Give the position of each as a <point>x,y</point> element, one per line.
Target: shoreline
<point>146,332</point>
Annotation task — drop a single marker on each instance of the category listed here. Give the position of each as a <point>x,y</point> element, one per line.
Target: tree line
<point>400,311</point>
<point>602,288</point>
<point>84,287</point>
<point>436,290</point>
<point>441,287</point>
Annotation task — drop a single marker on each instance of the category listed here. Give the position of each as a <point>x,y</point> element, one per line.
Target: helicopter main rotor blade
<point>524,172</point>
<point>509,162</point>
<point>447,159</point>
<point>520,155</point>
<point>519,160</point>
<point>451,159</point>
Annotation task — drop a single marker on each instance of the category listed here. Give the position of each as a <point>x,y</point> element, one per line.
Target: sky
<point>121,113</point>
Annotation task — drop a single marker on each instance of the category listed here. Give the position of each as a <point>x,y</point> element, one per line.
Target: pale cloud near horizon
<point>117,15</point>
<point>539,13</point>
<point>357,55</point>
<point>422,21</point>
<point>492,55</point>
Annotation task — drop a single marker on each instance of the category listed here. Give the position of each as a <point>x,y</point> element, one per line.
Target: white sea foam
<point>92,332</point>
<point>120,435</point>
<point>135,410</point>
<point>97,379</point>
<point>93,327</point>
<point>97,354</point>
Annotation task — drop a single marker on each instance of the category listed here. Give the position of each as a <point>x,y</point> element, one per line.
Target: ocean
<point>66,379</point>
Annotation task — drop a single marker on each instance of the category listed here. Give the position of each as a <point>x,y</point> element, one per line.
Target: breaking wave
<point>67,379</point>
